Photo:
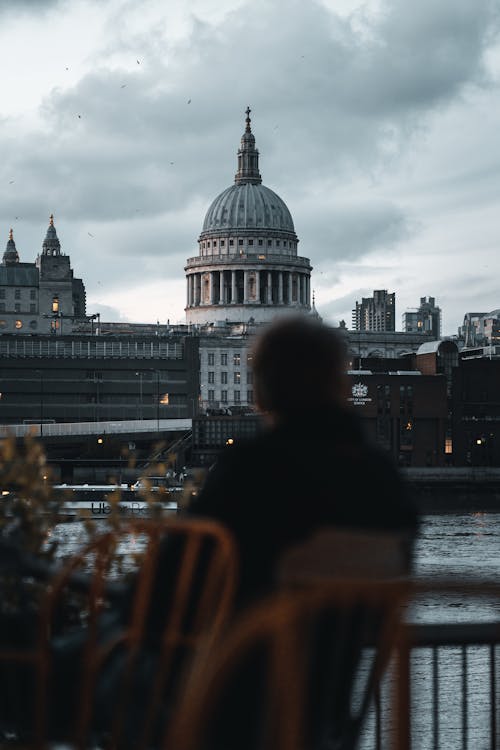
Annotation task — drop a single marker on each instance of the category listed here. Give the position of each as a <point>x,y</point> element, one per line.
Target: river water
<point>462,547</point>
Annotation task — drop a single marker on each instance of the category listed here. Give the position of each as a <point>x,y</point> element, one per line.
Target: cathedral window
<point>17,294</point>
<point>231,242</point>
<point>269,243</point>
<point>223,397</point>
<point>222,243</point>
<point>17,307</point>
<point>2,293</point>
<point>240,242</point>
<point>236,359</point>
<point>237,396</point>
<point>223,377</point>
<point>261,242</point>
<point>277,243</point>
<point>215,243</point>
<point>211,377</point>
<point>2,306</point>
<point>250,242</point>
<point>223,359</point>
<point>211,358</point>
<point>237,378</point>
<point>32,294</point>
<point>211,395</point>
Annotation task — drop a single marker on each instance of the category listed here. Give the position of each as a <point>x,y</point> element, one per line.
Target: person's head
<point>299,364</point>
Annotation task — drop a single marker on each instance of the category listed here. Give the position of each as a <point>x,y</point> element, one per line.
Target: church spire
<point>51,244</point>
<point>10,255</point>
<point>248,156</point>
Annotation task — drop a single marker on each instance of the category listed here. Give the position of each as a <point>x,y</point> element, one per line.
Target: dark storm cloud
<point>329,100</point>
<point>349,231</point>
<point>14,7</point>
<point>138,154</point>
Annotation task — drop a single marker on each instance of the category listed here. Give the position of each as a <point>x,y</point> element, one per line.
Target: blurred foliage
<point>28,507</point>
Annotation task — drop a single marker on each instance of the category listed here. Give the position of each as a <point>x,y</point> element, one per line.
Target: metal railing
<point>441,690</point>
<point>453,686</point>
<point>129,426</point>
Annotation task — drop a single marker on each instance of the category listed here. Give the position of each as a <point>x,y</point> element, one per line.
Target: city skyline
<point>376,124</point>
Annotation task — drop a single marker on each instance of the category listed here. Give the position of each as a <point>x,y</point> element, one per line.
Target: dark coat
<point>310,471</point>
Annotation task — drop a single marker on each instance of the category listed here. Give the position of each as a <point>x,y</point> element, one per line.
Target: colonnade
<point>236,287</point>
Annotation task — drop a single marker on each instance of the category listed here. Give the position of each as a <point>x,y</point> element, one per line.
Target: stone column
<point>280,287</point>
<point>188,283</point>
<point>290,285</point>
<point>257,287</point>
<point>269,288</point>
<point>308,290</point>
<point>210,288</point>
<point>233,287</point>
<point>245,287</point>
<point>221,287</point>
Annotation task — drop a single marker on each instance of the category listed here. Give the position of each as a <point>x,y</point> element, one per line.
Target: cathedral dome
<point>247,267</point>
<point>248,206</point>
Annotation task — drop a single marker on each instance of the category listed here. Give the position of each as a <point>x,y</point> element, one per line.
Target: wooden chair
<point>181,597</point>
<point>332,552</point>
<point>295,673</point>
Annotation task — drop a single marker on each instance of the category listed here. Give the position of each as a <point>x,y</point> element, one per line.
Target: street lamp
<point>140,394</point>
<point>157,400</point>
<point>40,374</point>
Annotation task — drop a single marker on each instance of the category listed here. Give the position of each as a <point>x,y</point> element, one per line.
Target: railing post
<point>402,734</point>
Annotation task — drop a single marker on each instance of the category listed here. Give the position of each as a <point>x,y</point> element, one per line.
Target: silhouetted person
<point>310,466</point>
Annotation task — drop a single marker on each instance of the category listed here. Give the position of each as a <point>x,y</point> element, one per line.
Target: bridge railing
<point>61,429</point>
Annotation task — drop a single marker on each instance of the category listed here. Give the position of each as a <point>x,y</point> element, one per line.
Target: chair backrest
<point>333,552</point>
<point>184,584</point>
<point>296,672</point>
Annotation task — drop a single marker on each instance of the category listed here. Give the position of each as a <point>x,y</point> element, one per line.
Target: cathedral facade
<point>247,269</point>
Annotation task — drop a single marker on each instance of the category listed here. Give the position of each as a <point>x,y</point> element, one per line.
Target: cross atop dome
<point>248,120</point>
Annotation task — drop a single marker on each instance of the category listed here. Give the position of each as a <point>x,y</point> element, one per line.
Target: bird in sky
<point>11,182</point>
<point>90,235</point>
<point>123,85</point>
<point>79,117</point>
<point>189,101</point>
<point>138,62</point>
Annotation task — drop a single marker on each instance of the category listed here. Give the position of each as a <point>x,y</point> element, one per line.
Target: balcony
<point>248,259</point>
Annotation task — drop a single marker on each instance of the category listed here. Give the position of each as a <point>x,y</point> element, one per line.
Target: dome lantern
<point>248,157</point>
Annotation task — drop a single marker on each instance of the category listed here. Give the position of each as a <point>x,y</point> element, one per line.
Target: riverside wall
<point>455,489</point>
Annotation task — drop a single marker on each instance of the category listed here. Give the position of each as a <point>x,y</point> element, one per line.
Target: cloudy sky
<point>377,122</point>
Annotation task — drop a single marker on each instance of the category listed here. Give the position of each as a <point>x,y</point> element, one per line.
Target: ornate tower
<point>10,256</point>
<point>247,266</point>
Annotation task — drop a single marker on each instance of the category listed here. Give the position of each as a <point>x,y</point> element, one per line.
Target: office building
<point>377,313</point>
